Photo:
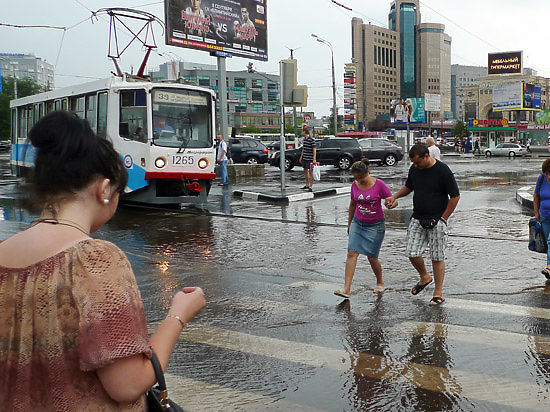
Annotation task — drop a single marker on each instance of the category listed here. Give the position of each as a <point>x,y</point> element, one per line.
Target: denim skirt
<point>366,238</point>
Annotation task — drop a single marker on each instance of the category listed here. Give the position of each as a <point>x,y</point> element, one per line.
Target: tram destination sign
<point>505,63</point>
<point>238,27</point>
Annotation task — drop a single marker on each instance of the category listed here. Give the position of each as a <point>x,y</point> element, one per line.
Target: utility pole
<point>296,134</point>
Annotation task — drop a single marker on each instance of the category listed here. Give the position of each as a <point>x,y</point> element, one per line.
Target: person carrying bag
<point>541,204</point>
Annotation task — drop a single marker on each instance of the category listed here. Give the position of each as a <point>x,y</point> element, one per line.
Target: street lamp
<point>334,112</point>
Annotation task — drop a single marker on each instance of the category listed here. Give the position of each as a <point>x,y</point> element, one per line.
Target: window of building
<point>204,81</point>
<point>272,97</point>
<point>257,96</point>
<point>256,83</point>
<point>273,108</point>
<point>240,94</point>
<point>240,82</point>
<point>273,86</point>
<point>240,107</point>
<point>257,108</point>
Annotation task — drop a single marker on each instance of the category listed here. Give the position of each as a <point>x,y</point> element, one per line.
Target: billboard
<point>516,96</point>
<point>432,102</point>
<point>542,117</point>
<point>226,27</point>
<point>505,63</point>
<point>407,110</point>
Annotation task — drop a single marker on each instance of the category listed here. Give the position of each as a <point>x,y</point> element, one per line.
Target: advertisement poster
<point>507,96</point>
<point>229,27</point>
<point>531,97</point>
<point>409,110</point>
<point>505,63</point>
<point>542,117</point>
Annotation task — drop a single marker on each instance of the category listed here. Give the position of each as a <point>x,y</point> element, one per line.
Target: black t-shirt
<point>432,189</point>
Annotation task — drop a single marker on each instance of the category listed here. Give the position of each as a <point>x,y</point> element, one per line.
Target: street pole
<point>282,139</point>
<point>222,80</point>
<point>296,134</point>
<point>334,110</point>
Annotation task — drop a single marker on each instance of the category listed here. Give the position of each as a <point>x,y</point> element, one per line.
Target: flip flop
<point>436,300</point>
<point>341,293</point>
<point>378,289</point>
<point>419,288</point>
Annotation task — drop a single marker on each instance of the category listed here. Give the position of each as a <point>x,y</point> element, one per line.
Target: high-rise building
<point>21,66</point>
<point>407,59</point>
<point>462,76</point>
<point>434,65</point>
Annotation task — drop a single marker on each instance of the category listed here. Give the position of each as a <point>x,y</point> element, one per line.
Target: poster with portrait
<point>407,110</point>
<point>229,27</point>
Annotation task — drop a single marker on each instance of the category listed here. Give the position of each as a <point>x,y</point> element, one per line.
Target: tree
<point>460,129</point>
<point>250,129</point>
<point>25,87</point>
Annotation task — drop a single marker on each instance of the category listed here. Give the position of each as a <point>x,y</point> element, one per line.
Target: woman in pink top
<point>73,334</point>
<point>366,224</point>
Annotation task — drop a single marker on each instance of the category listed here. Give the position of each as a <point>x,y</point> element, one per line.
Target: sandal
<point>436,300</point>
<point>419,288</point>
<point>379,289</point>
<point>341,293</point>
<point>546,272</point>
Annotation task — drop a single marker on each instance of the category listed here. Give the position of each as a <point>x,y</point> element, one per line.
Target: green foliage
<point>460,129</point>
<point>25,87</point>
<point>250,129</point>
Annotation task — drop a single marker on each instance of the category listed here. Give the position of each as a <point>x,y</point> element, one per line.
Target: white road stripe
<point>498,308</point>
<point>471,385</point>
<point>477,336</point>
<point>195,395</point>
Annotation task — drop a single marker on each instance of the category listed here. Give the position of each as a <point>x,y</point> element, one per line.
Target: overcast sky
<point>476,26</point>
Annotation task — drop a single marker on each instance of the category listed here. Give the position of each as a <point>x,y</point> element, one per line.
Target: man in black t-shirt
<point>435,198</point>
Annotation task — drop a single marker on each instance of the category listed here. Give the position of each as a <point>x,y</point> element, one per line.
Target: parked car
<point>338,151</point>
<point>247,150</point>
<point>506,149</point>
<point>381,150</point>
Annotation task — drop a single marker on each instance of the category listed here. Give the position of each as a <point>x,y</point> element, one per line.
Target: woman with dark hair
<point>541,203</point>
<point>73,334</point>
<point>366,224</point>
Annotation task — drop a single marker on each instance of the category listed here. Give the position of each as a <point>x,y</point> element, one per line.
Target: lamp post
<point>334,112</point>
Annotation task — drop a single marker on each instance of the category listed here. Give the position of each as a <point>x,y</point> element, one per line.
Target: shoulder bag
<point>157,397</point>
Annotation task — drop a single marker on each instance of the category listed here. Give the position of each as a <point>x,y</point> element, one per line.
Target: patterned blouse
<point>63,318</point>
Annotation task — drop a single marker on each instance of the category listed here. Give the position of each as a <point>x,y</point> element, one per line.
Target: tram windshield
<point>182,118</point>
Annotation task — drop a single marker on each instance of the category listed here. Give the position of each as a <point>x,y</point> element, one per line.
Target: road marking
<point>498,308</point>
<point>196,395</point>
<point>342,190</point>
<point>469,385</point>
<point>477,336</point>
<point>254,304</point>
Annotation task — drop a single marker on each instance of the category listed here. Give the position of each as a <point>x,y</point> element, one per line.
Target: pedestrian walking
<point>477,146</point>
<point>366,224</point>
<point>541,204</point>
<point>73,334</point>
<point>222,160</point>
<point>436,196</point>
<point>308,156</point>
<point>528,145</point>
<point>433,149</point>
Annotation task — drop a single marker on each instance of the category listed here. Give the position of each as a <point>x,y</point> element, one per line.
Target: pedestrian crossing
<point>502,369</point>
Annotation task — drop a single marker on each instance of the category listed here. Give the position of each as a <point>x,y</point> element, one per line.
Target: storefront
<point>492,131</point>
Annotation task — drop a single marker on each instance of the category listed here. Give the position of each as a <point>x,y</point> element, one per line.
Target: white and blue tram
<point>163,131</point>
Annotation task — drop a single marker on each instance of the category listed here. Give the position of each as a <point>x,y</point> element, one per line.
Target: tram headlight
<point>160,162</point>
<point>203,163</point>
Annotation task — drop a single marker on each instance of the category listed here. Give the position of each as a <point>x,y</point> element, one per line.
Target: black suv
<point>247,150</point>
<point>381,150</point>
<point>338,151</point>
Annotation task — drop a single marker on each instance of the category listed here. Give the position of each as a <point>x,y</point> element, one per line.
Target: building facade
<point>407,59</point>
<point>462,76</point>
<point>254,93</point>
<point>21,66</point>
<point>434,65</point>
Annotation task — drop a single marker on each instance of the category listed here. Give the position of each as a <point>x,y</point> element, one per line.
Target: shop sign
<point>488,122</point>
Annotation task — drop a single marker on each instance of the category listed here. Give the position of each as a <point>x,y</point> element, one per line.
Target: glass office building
<point>407,30</point>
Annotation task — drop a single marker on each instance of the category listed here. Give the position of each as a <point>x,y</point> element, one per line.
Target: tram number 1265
<point>183,160</point>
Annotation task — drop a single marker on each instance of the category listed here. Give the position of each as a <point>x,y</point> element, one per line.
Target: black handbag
<point>537,239</point>
<point>157,397</point>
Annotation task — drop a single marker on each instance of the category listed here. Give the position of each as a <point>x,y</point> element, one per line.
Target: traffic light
<point>250,67</point>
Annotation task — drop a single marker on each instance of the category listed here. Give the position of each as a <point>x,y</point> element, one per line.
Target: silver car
<point>506,149</point>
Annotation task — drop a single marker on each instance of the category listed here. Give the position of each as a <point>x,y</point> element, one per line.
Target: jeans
<point>223,172</point>
<point>545,222</point>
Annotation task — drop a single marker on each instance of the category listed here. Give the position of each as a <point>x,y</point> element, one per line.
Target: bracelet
<point>183,324</point>
<point>443,220</point>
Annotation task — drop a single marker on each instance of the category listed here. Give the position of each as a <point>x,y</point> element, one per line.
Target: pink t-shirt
<point>369,202</point>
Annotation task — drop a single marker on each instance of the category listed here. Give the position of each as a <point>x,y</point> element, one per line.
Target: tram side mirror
<point>124,129</point>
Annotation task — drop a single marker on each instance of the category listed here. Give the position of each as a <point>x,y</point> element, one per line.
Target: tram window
<point>57,105</point>
<point>30,118</point>
<point>77,106</point>
<point>22,122</point>
<point>13,124</point>
<point>133,115</point>
<point>91,115</point>
<point>49,106</point>
<point>102,114</point>
<point>65,104</point>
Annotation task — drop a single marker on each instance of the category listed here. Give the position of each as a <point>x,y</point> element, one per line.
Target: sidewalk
<point>274,194</point>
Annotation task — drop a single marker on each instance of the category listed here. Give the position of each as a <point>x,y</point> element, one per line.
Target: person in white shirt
<point>433,149</point>
<point>222,160</point>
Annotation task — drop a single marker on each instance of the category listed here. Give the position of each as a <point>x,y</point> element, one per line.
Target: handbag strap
<point>159,375</point>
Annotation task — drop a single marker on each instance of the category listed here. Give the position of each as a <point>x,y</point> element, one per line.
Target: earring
<point>105,201</point>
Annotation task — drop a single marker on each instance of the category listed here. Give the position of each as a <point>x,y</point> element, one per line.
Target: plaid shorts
<point>419,238</point>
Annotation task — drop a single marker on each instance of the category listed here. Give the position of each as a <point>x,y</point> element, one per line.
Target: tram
<point>163,131</point>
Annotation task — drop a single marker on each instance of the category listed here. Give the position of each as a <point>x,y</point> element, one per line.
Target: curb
<point>524,195</point>
<point>245,195</point>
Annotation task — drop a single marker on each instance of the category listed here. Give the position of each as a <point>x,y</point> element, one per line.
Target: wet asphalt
<point>274,337</point>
